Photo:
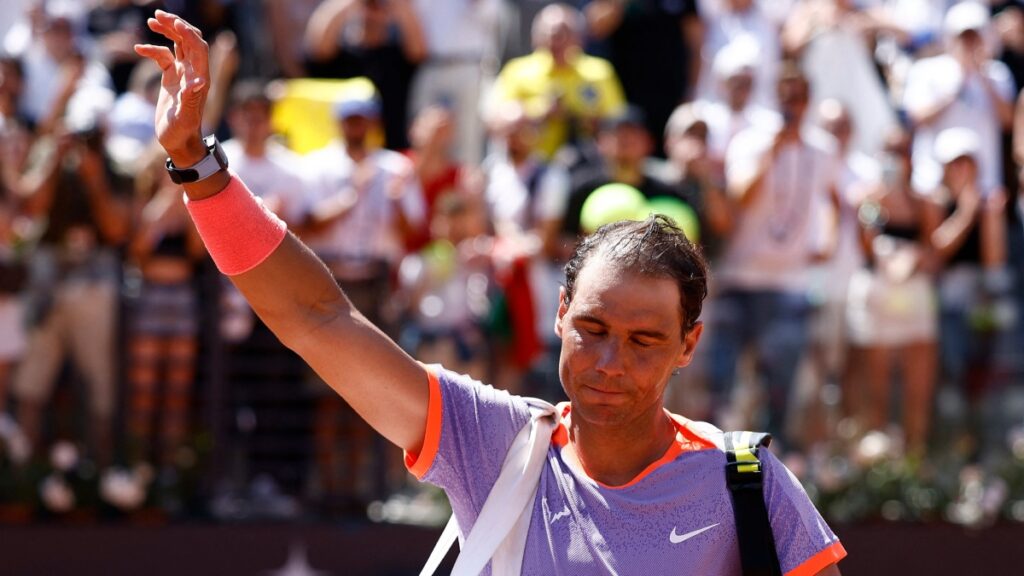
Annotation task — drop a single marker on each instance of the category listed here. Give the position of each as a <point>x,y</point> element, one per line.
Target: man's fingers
<point>164,28</point>
<point>159,54</point>
<point>196,54</point>
<point>191,38</point>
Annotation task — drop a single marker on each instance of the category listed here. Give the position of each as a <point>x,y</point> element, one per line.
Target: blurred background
<point>851,169</point>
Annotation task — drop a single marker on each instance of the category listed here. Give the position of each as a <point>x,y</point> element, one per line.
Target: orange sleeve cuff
<point>820,561</point>
<point>418,464</point>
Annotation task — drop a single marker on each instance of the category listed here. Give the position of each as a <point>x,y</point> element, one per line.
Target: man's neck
<point>257,149</point>
<point>357,153</point>
<point>615,456</point>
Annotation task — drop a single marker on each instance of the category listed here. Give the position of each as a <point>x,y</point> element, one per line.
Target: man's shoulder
<point>594,67</point>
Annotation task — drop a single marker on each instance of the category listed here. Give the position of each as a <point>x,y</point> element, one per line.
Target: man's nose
<point>609,359</point>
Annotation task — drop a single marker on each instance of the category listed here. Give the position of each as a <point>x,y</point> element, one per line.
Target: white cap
<point>966,16</point>
<point>742,55</point>
<point>684,117</point>
<point>953,143</point>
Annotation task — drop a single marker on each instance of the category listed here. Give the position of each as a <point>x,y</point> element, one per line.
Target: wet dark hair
<point>656,248</point>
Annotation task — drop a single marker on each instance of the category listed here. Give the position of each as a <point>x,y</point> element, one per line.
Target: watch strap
<point>214,161</point>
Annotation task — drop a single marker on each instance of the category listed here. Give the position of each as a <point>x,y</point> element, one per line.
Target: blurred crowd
<point>852,171</point>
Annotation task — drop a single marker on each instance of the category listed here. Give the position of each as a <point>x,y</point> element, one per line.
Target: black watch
<point>215,161</point>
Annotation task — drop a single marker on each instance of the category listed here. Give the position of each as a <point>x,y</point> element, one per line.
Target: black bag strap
<point>744,477</point>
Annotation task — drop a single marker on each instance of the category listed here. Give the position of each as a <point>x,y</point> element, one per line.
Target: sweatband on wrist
<point>238,230</point>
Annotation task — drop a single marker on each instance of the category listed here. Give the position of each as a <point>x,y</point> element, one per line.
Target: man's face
<point>355,130</point>
<point>793,98</point>
<point>626,144</point>
<point>251,122</point>
<point>738,89</point>
<point>58,39</point>
<point>621,339</point>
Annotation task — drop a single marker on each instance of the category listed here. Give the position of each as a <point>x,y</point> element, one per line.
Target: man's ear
<point>690,341</point>
<point>563,307</point>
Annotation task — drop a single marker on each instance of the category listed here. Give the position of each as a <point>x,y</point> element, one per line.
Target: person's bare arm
<point>292,291</point>
<point>693,39</point>
<point>604,17</point>
<point>321,37</point>
<point>110,214</point>
<point>951,234</point>
<point>993,230</point>
<point>1018,131</point>
<point>414,41</point>
<point>224,60</point>
<point>280,31</point>
<point>745,189</point>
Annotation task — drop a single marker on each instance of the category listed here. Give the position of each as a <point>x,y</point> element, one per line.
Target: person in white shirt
<point>783,181</point>
<point>256,156</point>
<point>58,71</point>
<point>364,201</point>
<point>961,88</point>
<point>731,109</point>
<point>725,22</point>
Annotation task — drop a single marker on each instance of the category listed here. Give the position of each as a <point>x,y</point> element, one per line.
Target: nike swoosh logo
<point>678,539</point>
<point>560,515</point>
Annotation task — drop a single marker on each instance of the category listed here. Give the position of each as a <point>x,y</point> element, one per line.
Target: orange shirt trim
<point>418,464</point>
<point>820,561</point>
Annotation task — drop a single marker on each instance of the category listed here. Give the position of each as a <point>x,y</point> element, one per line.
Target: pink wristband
<point>238,230</point>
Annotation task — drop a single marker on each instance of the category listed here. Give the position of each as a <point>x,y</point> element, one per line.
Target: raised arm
<point>291,290</point>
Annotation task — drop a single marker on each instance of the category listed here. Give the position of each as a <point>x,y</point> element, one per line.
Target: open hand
<point>183,89</point>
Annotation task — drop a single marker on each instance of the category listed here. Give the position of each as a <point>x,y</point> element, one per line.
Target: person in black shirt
<point>625,146</point>
<point>654,46</point>
<point>379,39</point>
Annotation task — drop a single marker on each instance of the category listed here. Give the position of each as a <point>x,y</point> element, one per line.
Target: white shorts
<point>881,312</point>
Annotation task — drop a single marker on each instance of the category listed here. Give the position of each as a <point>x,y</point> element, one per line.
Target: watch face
<point>215,161</point>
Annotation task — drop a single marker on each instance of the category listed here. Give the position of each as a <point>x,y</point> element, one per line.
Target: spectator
<point>448,284</point>
<point>57,69</point>
<point>970,242</point>
<point>699,175</point>
<point>365,202</point>
<point>379,39</point>
<point>164,324</point>
<point>75,273</point>
<point>828,355</point>
<point>731,109</point>
<point>116,26</point>
<point>625,148</point>
<point>892,300</point>
<point>14,144</point>
<point>462,51</point>
<point>526,197</point>
<point>655,49</point>
<point>783,181</point>
<point>747,21</point>
<point>365,205</point>
<point>833,41</point>
<point>254,154</point>
<point>12,84</point>
<point>438,172</point>
<point>567,91</point>
<point>131,122</point>
<point>962,87</point>
<point>287,20</point>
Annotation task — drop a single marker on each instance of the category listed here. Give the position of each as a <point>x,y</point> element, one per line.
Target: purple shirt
<point>675,517</point>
